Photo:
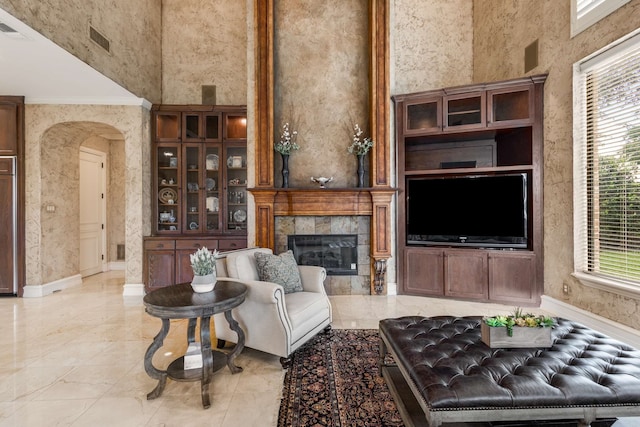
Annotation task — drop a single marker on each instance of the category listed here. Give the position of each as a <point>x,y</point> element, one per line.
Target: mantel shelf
<point>322,201</point>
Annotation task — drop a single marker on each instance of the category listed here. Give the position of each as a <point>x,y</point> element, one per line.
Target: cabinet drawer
<point>159,244</point>
<point>230,245</point>
<point>196,244</point>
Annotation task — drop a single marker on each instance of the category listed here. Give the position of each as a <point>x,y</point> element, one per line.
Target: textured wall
<point>52,138</point>
<point>503,28</point>
<point>432,44</point>
<point>132,27</point>
<point>321,85</point>
<point>204,43</point>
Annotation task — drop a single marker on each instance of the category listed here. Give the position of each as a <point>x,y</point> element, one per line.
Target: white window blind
<point>607,172</point>
<point>585,13</point>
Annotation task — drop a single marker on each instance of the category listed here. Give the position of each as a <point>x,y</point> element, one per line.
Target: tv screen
<point>487,211</point>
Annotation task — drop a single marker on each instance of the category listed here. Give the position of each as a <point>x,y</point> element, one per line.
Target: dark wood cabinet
<point>480,130</point>
<point>199,167</point>
<point>12,196</point>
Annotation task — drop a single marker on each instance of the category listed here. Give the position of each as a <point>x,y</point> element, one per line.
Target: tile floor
<point>75,358</point>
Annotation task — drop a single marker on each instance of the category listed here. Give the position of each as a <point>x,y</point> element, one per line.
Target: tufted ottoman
<point>443,373</point>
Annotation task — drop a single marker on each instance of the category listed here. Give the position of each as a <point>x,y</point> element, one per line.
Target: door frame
<point>103,202</point>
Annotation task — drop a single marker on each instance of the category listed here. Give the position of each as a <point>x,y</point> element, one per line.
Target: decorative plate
<point>240,215</point>
<point>213,162</point>
<point>210,183</point>
<point>167,194</point>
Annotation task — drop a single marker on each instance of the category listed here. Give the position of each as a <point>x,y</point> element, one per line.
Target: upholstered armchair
<point>274,321</point>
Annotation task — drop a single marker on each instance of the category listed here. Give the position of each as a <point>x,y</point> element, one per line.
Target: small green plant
<point>203,261</point>
<point>519,318</point>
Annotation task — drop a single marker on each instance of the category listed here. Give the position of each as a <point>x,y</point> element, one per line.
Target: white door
<point>92,212</point>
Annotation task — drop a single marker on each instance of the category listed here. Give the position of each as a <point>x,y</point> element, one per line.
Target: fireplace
<point>337,253</point>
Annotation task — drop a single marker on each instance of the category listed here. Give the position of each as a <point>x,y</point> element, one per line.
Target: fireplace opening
<point>337,253</point>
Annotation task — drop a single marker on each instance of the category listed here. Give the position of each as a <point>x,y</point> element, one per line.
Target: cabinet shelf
<point>459,113</point>
<point>462,171</point>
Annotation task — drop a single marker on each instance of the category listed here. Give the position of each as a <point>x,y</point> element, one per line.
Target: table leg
<point>207,360</point>
<point>191,331</point>
<point>151,370</point>
<point>239,346</point>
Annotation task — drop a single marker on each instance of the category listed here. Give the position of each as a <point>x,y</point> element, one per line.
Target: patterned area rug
<point>334,381</point>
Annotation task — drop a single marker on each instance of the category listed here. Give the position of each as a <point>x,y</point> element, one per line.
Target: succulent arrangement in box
<point>520,319</point>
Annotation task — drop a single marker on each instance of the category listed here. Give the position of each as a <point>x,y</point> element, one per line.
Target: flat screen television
<point>486,211</point>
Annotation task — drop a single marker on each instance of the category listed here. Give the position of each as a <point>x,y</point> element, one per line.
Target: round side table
<point>181,302</point>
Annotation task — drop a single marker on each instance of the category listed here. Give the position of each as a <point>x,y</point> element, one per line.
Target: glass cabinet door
<point>465,111</point>
<point>236,215</point>
<point>168,181</point>
<point>424,116</point>
<point>212,183</point>
<point>193,188</point>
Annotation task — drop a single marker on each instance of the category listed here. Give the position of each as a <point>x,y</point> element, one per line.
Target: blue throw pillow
<point>281,269</point>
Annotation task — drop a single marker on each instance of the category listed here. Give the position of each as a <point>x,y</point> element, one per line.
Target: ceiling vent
<point>10,32</point>
<point>99,39</point>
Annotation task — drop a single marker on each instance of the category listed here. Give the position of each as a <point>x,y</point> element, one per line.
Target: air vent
<point>10,32</point>
<point>6,29</point>
<point>99,39</point>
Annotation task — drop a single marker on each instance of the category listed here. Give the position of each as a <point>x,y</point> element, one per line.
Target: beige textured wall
<point>53,135</point>
<point>204,43</point>
<point>321,85</point>
<point>503,28</point>
<point>431,44</point>
<point>132,27</point>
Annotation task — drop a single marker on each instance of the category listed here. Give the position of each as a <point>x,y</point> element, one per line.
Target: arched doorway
<point>62,237</point>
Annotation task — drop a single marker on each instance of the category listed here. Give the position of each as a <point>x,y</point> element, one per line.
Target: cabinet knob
<point>196,245</point>
<point>160,245</point>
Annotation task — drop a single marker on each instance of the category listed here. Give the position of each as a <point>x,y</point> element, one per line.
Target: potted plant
<point>517,330</point>
<point>203,263</point>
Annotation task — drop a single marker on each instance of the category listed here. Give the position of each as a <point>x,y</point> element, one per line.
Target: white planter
<point>203,283</point>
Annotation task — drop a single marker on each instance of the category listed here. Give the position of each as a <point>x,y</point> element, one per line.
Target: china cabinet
<point>199,168</point>
<point>460,135</point>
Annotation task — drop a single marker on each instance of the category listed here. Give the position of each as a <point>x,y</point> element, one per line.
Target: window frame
<point>580,244</point>
<point>604,8</point>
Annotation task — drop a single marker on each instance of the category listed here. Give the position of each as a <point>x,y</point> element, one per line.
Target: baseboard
<point>133,290</point>
<point>608,327</point>
<point>117,265</point>
<point>36,291</point>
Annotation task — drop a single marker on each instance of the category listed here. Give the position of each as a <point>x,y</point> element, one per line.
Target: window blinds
<point>609,205</point>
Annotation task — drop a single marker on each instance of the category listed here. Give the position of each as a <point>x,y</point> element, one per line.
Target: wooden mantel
<point>374,202</point>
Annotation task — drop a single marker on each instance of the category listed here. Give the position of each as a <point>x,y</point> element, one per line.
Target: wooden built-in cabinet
<point>199,189</point>
<point>479,130</point>
<point>12,196</point>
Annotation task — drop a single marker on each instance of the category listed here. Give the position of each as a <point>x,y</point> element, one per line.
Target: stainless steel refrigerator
<point>8,225</point>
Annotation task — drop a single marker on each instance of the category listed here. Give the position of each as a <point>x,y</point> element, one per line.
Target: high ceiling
<point>34,67</point>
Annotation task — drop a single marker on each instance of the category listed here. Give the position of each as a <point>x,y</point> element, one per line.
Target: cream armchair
<point>274,322</point>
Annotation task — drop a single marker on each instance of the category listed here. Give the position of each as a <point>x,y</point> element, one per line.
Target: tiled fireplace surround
<point>360,225</point>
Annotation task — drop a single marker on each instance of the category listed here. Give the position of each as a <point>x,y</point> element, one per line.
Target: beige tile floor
<point>75,358</point>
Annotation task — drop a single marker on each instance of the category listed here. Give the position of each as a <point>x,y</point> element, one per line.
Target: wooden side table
<point>180,302</point>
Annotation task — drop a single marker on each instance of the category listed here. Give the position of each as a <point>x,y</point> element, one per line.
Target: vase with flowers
<point>286,144</point>
<point>360,147</point>
<point>203,263</point>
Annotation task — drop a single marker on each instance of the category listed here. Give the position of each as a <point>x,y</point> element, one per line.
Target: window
<point>607,167</point>
<point>585,13</point>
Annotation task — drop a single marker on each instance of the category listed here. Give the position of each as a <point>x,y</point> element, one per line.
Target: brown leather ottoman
<point>443,373</point>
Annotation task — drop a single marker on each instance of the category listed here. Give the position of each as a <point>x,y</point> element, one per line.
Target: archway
<point>59,175</point>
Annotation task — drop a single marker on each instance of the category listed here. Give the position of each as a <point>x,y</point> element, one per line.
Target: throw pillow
<point>281,269</point>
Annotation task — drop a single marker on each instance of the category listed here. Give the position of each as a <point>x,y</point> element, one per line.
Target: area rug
<point>334,381</point>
